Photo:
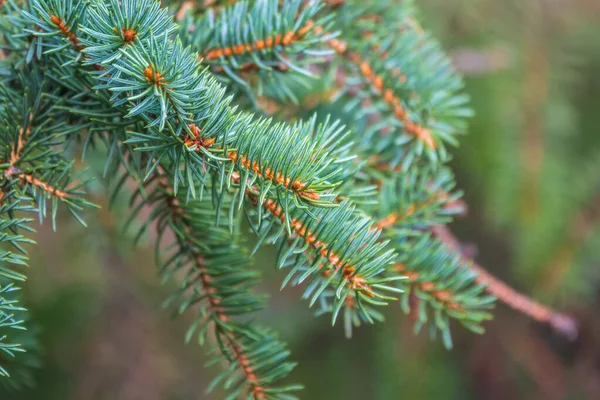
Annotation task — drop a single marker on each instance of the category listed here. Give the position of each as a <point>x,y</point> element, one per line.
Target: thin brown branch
<point>562,323</point>
<point>24,133</point>
<point>298,187</point>
<point>388,95</point>
<point>414,208</point>
<point>66,31</point>
<point>442,296</point>
<point>270,42</point>
<point>15,157</point>
<point>473,62</point>
<point>379,86</point>
<point>32,180</point>
<point>16,152</point>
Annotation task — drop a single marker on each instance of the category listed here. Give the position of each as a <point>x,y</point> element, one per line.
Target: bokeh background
<point>530,168</point>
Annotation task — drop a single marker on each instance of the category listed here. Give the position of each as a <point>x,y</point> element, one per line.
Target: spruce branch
<point>562,323</point>
<point>15,154</point>
<point>218,276</point>
<point>378,84</point>
<point>31,163</point>
<point>123,73</point>
<point>159,79</point>
<point>404,114</point>
<point>217,273</point>
<point>162,85</point>
<point>439,287</point>
<point>156,68</point>
<point>344,254</point>
<point>217,282</point>
<point>32,171</point>
<point>262,47</point>
<point>481,277</point>
<point>293,28</point>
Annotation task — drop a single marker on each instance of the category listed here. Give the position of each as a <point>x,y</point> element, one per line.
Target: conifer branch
<point>33,181</point>
<point>125,69</point>
<point>307,151</point>
<point>352,263</point>
<point>12,171</point>
<point>300,146</point>
<point>16,152</point>
<point>406,116</point>
<point>348,271</point>
<point>562,323</point>
<point>267,37</point>
<point>15,156</point>
<point>378,84</point>
<point>28,125</point>
<point>446,298</point>
<point>215,295</point>
<point>66,31</point>
<point>217,285</point>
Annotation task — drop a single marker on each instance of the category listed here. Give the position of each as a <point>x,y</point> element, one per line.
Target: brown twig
<point>15,154</point>
<point>24,133</point>
<point>270,42</point>
<point>15,157</point>
<point>377,83</point>
<point>32,180</point>
<point>562,323</point>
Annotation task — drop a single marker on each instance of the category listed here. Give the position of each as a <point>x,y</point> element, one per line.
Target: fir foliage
<point>180,109</point>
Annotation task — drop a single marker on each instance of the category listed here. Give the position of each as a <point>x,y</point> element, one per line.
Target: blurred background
<point>530,169</point>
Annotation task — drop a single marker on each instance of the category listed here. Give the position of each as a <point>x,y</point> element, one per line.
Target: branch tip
<point>561,323</point>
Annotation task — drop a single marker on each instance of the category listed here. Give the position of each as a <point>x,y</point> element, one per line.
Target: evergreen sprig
<point>217,287</point>
<point>398,76</point>
<point>261,46</point>
<point>36,179</point>
<point>350,208</point>
<point>278,175</point>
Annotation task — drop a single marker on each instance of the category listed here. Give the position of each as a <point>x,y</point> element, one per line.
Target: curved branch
<point>562,323</point>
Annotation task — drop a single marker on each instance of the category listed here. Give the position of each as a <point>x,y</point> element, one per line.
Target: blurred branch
<point>562,323</point>
<point>581,228</point>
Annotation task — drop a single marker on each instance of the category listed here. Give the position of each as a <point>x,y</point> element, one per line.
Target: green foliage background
<point>529,169</point>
